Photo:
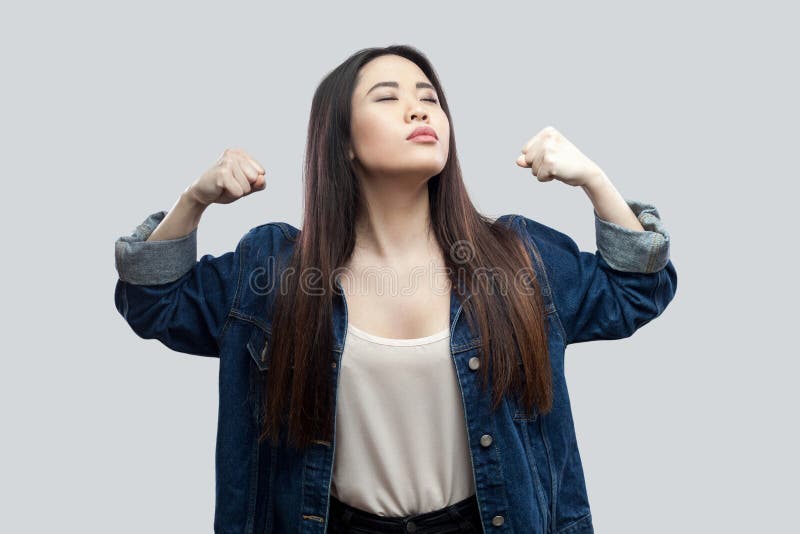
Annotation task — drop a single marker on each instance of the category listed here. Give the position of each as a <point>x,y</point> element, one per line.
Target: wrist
<point>595,182</point>
<point>191,208</point>
<point>191,202</point>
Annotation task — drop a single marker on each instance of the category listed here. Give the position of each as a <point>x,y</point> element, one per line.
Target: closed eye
<point>433,100</point>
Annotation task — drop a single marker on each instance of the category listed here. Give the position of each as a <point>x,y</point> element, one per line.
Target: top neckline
<point>398,342</point>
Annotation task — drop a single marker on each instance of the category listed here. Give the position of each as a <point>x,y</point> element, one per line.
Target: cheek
<point>445,127</point>
<point>374,134</point>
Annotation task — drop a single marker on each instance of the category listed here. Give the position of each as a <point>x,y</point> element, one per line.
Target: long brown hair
<point>299,387</point>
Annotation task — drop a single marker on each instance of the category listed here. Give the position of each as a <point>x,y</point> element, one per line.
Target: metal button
<point>486,440</point>
<point>474,363</point>
<point>497,520</point>
<point>411,527</point>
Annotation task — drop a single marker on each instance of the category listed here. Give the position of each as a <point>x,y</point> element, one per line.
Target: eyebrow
<point>420,85</point>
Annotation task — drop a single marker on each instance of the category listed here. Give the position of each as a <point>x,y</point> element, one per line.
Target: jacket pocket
<point>258,347</point>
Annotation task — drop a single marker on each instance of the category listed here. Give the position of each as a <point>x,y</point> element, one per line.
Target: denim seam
<point>281,225</point>
<point>236,314</point>
<point>251,503</point>
<point>539,492</point>
<point>549,288</point>
<point>662,274</point>
<point>272,460</point>
<point>242,249</point>
<point>500,465</point>
<point>651,255</point>
<point>581,522</point>
<point>125,300</point>
<point>551,465</point>
<point>302,497</point>
<point>283,228</point>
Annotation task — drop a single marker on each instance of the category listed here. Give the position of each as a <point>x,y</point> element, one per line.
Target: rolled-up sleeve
<point>164,292</point>
<point>610,293</point>
<point>143,262</point>
<point>630,250</point>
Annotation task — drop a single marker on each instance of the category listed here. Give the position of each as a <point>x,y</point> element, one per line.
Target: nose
<point>418,113</point>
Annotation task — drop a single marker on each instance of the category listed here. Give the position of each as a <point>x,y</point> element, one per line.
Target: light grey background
<point>110,110</point>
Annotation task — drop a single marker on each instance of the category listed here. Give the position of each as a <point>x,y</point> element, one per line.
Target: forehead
<point>389,67</point>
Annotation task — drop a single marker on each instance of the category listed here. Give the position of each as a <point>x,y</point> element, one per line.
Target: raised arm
<point>610,293</point>
<point>630,279</point>
<point>163,291</point>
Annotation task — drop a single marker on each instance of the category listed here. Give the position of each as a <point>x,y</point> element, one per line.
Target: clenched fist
<point>234,175</point>
<point>550,156</point>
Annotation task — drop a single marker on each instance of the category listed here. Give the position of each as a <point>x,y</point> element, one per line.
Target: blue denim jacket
<point>527,468</point>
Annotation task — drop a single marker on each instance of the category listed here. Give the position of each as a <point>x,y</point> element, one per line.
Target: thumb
<point>521,161</point>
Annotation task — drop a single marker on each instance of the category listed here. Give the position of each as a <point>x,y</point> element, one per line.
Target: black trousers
<point>461,517</point>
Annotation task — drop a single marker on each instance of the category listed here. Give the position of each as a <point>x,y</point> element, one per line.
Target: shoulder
<point>264,253</point>
<point>270,234</point>
<point>273,239</point>
<point>545,239</point>
<point>273,230</point>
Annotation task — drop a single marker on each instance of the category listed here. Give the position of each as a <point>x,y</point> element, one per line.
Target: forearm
<point>181,219</point>
<point>610,204</point>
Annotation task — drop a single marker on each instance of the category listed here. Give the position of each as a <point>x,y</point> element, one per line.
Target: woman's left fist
<point>551,155</point>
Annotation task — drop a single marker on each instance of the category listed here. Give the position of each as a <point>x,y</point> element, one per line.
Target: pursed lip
<point>422,130</point>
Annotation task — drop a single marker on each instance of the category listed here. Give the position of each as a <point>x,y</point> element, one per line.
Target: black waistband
<point>455,514</point>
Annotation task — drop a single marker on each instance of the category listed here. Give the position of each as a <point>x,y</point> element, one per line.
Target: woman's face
<point>384,116</point>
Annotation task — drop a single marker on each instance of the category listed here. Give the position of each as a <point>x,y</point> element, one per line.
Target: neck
<point>394,219</point>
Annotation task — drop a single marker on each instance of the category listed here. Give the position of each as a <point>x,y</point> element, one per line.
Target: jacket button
<point>411,527</point>
<point>497,520</point>
<point>474,363</point>
<point>486,440</point>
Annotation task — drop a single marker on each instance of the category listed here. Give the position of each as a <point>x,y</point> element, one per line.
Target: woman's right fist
<point>234,175</point>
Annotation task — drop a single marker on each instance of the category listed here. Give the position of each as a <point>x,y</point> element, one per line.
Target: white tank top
<point>401,442</point>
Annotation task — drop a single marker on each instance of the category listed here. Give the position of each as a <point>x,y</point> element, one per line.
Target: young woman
<point>432,399</point>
